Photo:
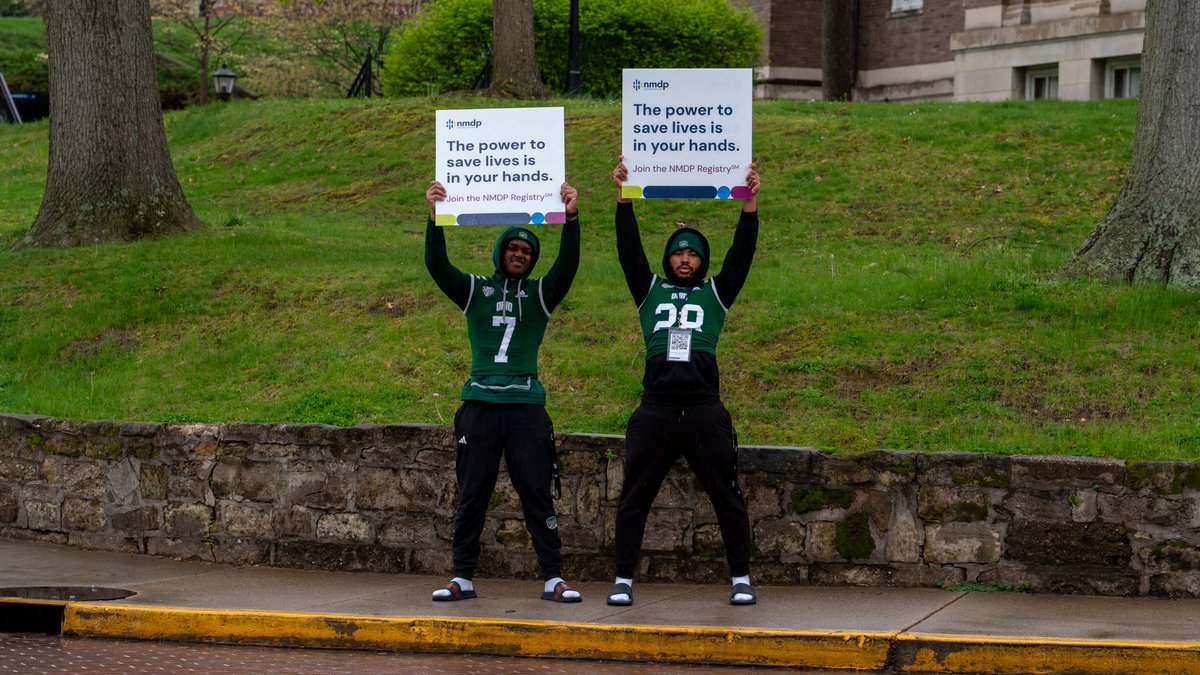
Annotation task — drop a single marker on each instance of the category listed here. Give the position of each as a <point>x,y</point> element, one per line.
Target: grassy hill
<point>903,295</point>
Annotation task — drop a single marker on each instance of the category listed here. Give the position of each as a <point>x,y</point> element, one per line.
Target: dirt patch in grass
<point>235,156</point>
<point>359,191</point>
<point>118,339</point>
<point>850,381</point>
<point>1033,404</point>
<point>397,307</point>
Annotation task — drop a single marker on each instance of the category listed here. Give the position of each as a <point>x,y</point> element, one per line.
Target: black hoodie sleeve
<point>558,281</point>
<point>631,254</point>
<point>736,267</point>
<point>455,284</point>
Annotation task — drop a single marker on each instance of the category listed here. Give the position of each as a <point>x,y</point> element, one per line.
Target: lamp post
<point>224,78</point>
<point>573,50</point>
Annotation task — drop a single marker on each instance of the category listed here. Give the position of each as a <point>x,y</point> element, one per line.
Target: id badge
<point>679,344</point>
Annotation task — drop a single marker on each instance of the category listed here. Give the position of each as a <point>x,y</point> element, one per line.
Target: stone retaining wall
<point>381,498</point>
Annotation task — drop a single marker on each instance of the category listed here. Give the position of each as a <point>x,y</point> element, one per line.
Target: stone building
<point>961,50</point>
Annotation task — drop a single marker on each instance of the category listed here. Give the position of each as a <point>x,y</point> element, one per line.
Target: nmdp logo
<point>661,85</point>
<point>471,124</point>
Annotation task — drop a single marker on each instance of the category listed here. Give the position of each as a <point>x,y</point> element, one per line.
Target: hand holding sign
<point>620,175</point>
<point>753,183</point>
<point>436,193</point>
<point>570,198</point>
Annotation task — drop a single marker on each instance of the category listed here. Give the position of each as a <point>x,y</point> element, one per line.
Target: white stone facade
<point>996,62</point>
<point>962,50</point>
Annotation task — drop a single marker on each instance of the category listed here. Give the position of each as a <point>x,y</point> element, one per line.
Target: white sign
<point>501,166</point>
<point>687,133</point>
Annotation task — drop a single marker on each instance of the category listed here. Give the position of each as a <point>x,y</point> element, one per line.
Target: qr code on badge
<point>680,342</point>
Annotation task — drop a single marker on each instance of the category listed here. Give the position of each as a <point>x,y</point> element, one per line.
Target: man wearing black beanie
<point>681,413</point>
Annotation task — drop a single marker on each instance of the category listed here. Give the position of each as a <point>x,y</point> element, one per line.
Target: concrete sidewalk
<point>902,630</point>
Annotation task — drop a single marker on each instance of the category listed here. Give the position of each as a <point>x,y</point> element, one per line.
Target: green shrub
<point>644,34</point>
<point>24,69</point>
<point>20,7</point>
<point>446,48</point>
<point>178,86</point>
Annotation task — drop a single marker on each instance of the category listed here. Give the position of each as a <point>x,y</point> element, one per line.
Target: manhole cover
<point>68,593</point>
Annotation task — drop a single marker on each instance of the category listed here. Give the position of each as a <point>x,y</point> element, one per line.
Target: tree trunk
<point>1151,234</point>
<point>839,49</point>
<point>514,65</point>
<point>110,177</point>
<point>205,58</point>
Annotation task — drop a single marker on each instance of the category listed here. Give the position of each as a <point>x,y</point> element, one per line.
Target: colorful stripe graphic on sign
<point>685,192</point>
<point>516,218</point>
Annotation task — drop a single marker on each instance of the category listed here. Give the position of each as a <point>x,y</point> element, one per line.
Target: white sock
<point>621,597</point>
<point>464,584</point>
<point>551,583</point>
<point>741,580</point>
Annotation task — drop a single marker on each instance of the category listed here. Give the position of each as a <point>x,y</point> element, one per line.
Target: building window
<point>1041,83</point>
<point>906,6</point>
<point>1123,79</point>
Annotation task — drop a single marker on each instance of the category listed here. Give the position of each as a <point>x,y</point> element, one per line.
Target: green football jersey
<point>506,321</point>
<point>506,318</point>
<point>696,309</point>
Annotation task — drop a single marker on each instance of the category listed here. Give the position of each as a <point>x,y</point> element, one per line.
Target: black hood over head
<point>686,237</point>
<point>516,232</point>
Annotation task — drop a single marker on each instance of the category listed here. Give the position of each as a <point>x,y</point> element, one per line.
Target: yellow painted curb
<point>7,600</point>
<point>833,650</point>
<point>931,653</point>
<point>807,649</point>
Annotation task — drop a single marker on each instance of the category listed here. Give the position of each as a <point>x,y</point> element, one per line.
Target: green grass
<point>903,296</point>
<point>22,33</point>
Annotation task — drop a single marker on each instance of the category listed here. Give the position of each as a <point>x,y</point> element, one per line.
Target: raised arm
<point>455,284</point>
<point>558,280</point>
<point>738,259</point>
<point>629,241</point>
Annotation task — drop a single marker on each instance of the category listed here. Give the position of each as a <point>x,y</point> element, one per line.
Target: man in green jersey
<point>682,313</point>
<point>503,410</point>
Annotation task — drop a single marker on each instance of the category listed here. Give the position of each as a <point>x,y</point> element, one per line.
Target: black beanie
<point>686,237</point>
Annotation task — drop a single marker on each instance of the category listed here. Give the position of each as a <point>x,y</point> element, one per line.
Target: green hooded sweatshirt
<point>506,317</point>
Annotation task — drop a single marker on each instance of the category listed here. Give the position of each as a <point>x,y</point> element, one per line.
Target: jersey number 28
<point>689,316</point>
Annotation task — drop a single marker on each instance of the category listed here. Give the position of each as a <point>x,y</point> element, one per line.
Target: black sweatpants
<point>525,437</point>
<point>655,438</point>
